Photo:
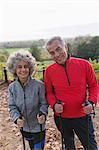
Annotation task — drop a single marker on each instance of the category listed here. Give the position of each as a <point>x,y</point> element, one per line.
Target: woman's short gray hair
<point>15,57</point>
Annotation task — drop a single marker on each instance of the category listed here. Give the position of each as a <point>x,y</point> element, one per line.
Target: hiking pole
<point>87,117</point>
<point>40,113</point>
<point>21,130</point>
<point>60,121</point>
<point>61,129</point>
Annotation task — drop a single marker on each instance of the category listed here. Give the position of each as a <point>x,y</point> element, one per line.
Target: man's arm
<point>92,85</point>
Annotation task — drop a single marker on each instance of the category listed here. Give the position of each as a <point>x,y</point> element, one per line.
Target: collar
<point>24,84</point>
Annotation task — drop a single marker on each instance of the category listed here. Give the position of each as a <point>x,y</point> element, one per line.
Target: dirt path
<point>10,137</point>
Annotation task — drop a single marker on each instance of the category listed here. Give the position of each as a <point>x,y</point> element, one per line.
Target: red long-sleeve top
<point>70,84</point>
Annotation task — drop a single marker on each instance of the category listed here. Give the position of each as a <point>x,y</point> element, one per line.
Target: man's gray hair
<point>15,57</point>
<point>58,38</point>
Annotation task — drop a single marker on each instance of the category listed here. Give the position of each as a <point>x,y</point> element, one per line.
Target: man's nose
<point>56,54</point>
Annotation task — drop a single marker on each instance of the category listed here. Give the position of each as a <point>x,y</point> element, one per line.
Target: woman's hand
<point>41,118</point>
<point>20,122</point>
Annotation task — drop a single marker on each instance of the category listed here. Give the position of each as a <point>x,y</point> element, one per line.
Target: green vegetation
<point>97,75</point>
<point>39,73</point>
<point>96,68</point>
<point>95,65</point>
<point>85,47</point>
<point>40,67</point>
<point>10,50</point>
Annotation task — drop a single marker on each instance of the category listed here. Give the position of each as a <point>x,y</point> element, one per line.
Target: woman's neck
<point>23,81</point>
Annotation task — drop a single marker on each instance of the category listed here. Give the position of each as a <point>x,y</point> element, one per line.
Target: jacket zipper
<point>64,66</point>
<point>67,77</point>
<point>26,109</point>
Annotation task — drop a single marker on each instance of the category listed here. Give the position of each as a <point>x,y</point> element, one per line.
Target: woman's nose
<point>23,68</point>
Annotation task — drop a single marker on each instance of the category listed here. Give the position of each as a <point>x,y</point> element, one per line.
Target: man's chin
<point>60,62</point>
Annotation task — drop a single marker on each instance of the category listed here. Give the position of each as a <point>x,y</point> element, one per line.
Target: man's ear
<point>66,47</point>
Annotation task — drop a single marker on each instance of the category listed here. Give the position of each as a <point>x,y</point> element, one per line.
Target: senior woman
<point>27,99</point>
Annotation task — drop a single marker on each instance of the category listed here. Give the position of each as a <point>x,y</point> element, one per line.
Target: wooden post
<point>5,74</point>
<point>43,72</point>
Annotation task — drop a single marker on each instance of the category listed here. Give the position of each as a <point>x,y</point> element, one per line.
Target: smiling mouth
<point>59,59</point>
<point>23,74</point>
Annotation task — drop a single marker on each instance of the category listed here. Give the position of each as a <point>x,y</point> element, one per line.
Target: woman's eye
<point>26,66</point>
<point>19,67</point>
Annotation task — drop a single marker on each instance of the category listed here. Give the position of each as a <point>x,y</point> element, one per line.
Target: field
<point>40,65</point>
<point>10,50</point>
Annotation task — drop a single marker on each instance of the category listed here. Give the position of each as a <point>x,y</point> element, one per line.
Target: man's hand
<point>58,108</point>
<point>41,118</point>
<point>88,108</point>
<point>20,122</point>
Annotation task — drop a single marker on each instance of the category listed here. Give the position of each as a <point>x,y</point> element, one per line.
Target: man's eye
<point>58,49</point>
<point>52,53</point>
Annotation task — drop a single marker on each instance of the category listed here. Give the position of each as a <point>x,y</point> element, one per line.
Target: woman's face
<point>22,71</point>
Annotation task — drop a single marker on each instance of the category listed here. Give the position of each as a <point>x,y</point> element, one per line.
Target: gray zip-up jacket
<point>27,102</point>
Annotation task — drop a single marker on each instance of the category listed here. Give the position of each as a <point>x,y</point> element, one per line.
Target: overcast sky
<point>34,19</point>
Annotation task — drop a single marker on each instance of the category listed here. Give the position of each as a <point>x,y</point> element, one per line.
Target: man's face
<point>58,52</point>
